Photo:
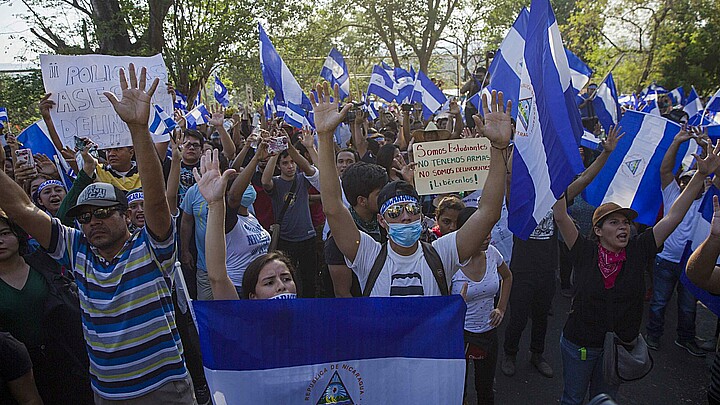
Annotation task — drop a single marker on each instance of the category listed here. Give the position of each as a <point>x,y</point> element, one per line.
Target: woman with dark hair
<point>446,215</point>
<point>269,275</point>
<point>39,307</point>
<point>609,268</point>
<point>391,159</point>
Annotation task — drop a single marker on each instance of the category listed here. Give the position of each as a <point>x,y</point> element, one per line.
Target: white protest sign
<point>77,84</point>
<point>451,166</point>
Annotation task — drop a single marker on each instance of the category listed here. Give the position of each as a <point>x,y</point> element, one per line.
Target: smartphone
<point>79,143</point>
<point>24,156</point>
<point>277,145</point>
<point>406,107</point>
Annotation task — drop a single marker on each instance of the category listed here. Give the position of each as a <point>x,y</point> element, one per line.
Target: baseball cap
<point>394,189</point>
<point>99,195</point>
<point>609,208</point>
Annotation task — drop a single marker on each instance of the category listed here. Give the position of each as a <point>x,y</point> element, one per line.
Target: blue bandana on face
<point>395,200</point>
<point>248,197</point>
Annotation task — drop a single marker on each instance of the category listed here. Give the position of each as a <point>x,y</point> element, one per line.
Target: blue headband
<point>132,197</point>
<point>397,199</point>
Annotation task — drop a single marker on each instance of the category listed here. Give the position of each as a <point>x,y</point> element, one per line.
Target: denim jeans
<point>666,276</point>
<point>579,374</point>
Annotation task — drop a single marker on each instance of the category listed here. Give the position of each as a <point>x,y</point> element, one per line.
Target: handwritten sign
<point>77,84</point>
<point>451,166</point>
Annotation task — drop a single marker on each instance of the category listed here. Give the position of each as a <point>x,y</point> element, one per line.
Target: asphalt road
<point>677,377</point>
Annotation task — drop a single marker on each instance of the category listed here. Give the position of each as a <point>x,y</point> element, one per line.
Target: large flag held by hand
<point>361,351</point>
<point>382,84</point>
<point>427,93</point>
<point>545,158</point>
<point>606,103</point>
<point>631,176</point>
<point>335,71</point>
<point>277,76</point>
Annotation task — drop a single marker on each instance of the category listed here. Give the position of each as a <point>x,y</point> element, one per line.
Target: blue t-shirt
<point>194,204</point>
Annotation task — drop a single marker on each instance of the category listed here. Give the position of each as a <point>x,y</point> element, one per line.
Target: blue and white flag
<point>269,108</point>
<point>335,71</point>
<point>700,233</point>
<point>180,102</point>
<point>197,116</point>
<point>606,103</point>
<point>579,72</point>
<point>427,93</point>
<point>3,116</point>
<point>631,176</point>
<point>652,89</point>
<point>221,93</point>
<point>545,157</point>
<point>404,83</point>
<point>277,76</point>
<point>370,107</point>
<point>589,140</point>
<point>714,103</point>
<point>296,116</point>
<point>677,95</point>
<point>161,125</point>
<point>651,107</point>
<point>693,104</point>
<point>337,351</point>
<point>36,137</point>
<point>700,120</point>
<point>197,101</point>
<point>382,84</point>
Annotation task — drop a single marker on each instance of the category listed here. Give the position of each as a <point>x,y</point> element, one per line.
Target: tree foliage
<point>20,93</point>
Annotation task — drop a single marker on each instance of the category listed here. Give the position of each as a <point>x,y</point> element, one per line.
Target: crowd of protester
<point>91,312</point>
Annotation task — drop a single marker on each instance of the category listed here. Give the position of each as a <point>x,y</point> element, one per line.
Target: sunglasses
<point>99,213</point>
<point>394,211</point>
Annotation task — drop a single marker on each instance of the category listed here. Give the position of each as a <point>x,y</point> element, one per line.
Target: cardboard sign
<point>451,166</point>
<point>77,84</point>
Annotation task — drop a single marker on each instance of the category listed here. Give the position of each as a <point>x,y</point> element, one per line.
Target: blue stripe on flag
<point>267,334</point>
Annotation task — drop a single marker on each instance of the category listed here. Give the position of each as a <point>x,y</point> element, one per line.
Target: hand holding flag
<point>327,117</point>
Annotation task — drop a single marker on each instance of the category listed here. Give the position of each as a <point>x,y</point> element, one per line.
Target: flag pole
<point>617,61</point>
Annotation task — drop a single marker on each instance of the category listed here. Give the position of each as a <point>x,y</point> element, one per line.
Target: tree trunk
<point>155,33</point>
<point>110,27</point>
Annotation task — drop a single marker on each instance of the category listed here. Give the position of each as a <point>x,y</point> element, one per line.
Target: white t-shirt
<point>480,294</point>
<point>404,275</point>
<point>500,236</point>
<point>346,203</point>
<point>675,243</point>
<point>247,240</point>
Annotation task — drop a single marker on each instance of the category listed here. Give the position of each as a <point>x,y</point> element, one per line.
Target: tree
<point>20,94</point>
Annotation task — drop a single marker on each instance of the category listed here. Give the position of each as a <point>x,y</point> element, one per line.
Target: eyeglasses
<point>394,211</point>
<point>99,213</point>
<point>192,145</point>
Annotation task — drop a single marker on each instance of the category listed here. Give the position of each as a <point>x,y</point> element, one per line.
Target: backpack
<point>431,257</point>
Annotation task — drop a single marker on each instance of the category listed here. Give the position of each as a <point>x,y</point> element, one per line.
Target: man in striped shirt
<point>123,279</point>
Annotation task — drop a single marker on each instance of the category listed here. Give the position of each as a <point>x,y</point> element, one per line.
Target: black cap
<point>394,189</point>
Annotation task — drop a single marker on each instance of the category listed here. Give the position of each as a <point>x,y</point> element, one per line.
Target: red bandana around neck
<point>610,264</point>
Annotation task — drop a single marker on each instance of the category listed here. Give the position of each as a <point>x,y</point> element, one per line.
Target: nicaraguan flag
<point>296,116</point>
<point>631,176</point>
<point>180,102</point>
<point>545,157</point>
<point>589,140</point>
<point>221,93</point>
<point>677,95</point>
<point>197,116</point>
<point>361,351</point>
<point>653,89</point>
<point>426,92</point>
<point>277,76</point>
<point>404,83</point>
<point>713,132</point>
<point>370,107</point>
<point>269,108</point>
<point>3,116</point>
<point>693,104</point>
<point>382,84</point>
<point>651,107</point>
<point>335,71</point>
<point>606,103</point>
<point>198,101</point>
<point>714,103</point>
<point>161,125</point>
<point>700,120</point>
<point>579,72</point>
<point>36,137</point>
<point>700,233</point>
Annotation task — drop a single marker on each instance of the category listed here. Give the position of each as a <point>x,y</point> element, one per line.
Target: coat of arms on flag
<point>335,392</point>
<point>634,165</point>
<point>525,111</point>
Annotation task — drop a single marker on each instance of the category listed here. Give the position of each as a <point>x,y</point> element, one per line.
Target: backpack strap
<point>375,271</point>
<point>433,260</point>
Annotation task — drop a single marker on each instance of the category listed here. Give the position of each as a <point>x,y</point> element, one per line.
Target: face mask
<point>284,296</point>
<point>405,235</point>
<point>248,197</point>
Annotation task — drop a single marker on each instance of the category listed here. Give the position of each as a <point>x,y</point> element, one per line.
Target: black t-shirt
<point>186,177</point>
<point>596,310</point>
<point>540,252</point>
<point>14,363</point>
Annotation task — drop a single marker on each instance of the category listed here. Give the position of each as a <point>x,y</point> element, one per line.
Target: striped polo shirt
<point>127,311</point>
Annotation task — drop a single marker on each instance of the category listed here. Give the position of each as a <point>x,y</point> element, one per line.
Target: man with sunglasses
<point>406,271</point>
<point>135,352</point>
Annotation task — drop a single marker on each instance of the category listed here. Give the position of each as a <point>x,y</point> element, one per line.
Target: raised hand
<point>218,116</point>
<point>89,162</point>
<point>711,162</point>
<point>176,144</point>
<point>407,172</point>
<point>683,135</point>
<point>308,138</point>
<point>45,166</point>
<point>327,117</point>
<point>498,126</point>
<point>134,107</point>
<point>46,105</point>
<point>261,153</point>
<point>212,184</point>
<point>610,143</point>
<point>171,91</point>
